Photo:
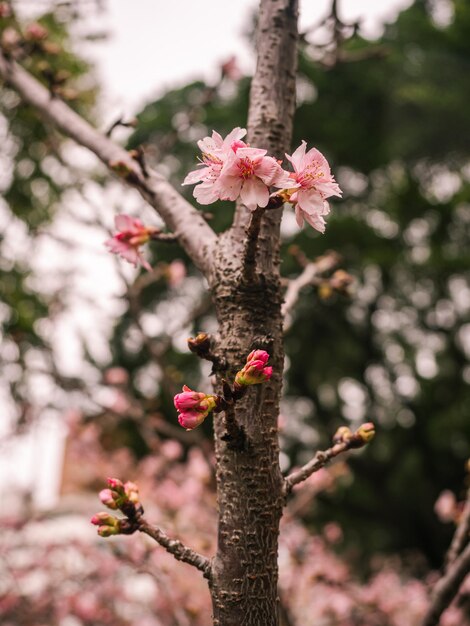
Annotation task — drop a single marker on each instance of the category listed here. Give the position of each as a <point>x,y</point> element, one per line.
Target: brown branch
<point>307,277</point>
<point>179,550</point>
<point>193,232</point>
<point>461,535</point>
<point>319,461</point>
<point>447,588</point>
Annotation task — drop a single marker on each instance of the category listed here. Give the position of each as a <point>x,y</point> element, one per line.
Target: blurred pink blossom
<point>132,234</point>
<point>116,376</point>
<point>445,506</point>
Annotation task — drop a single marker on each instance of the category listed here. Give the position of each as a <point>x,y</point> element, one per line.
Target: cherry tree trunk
<point>248,306</point>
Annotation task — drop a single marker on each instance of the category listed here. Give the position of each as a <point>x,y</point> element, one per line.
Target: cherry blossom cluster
<point>230,169</point>
<point>194,406</point>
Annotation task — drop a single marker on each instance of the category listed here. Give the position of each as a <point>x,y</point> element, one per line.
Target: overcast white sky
<point>155,44</point>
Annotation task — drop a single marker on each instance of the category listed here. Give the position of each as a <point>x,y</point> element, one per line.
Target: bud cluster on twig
<point>125,498</point>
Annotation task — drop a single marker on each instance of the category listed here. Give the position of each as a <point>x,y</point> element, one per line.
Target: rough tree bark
<point>248,306</point>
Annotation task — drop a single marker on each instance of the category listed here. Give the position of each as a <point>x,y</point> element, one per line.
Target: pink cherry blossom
<point>314,183</point>
<point>193,407</point>
<point>248,173</point>
<point>215,151</point>
<point>132,234</point>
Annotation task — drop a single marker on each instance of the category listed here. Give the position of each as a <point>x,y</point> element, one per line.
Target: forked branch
<point>343,440</point>
<point>193,232</point>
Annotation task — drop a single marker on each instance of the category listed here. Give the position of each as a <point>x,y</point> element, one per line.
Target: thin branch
<point>310,272</point>
<point>319,461</point>
<point>461,535</point>
<point>179,550</point>
<point>193,232</point>
<point>447,588</point>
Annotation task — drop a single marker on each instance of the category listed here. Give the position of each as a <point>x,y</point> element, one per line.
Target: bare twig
<point>193,232</point>
<point>179,550</point>
<point>319,461</point>
<point>461,535</point>
<point>447,588</point>
<point>307,277</point>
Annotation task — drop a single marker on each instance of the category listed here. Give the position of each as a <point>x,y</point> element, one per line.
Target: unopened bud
<point>366,432</point>
<point>116,485</point>
<point>363,435</point>
<point>200,344</point>
<point>107,524</point>
<point>132,492</point>
<point>341,281</point>
<point>342,435</point>
<point>109,498</point>
<point>254,371</point>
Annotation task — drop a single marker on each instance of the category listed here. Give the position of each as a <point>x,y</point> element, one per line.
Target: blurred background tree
<point>392,117</point>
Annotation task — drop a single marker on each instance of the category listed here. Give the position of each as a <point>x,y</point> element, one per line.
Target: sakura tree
<point>242,269</point>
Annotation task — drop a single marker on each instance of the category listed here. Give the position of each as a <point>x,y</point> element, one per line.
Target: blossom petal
<point>126,222</point>
<point>196,176</point>
<point>229,187</point>
<point>310,201</point>
<point>254,193</point>
<point>297,156</point>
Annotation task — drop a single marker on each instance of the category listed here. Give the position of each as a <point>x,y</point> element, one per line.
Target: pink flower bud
<point>366,432</point>
<point>104,519</point>
<point>193,407</point>
<point>116,485</point>
<point>132,492</point>
<point>109,498</point>
<point>107,524</point>
<point>342,435</point>
<point>254,371</point>
<point>107,531</point>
